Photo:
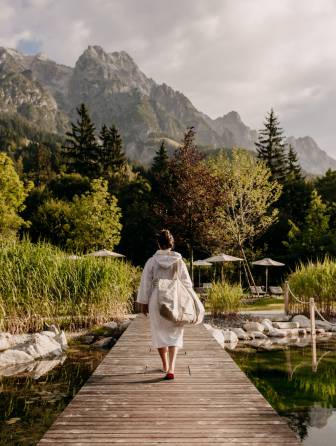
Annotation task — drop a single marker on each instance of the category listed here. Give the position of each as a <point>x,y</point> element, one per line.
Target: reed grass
<point>317,280</point>
<point>224,298</point>
<point>39,283</point>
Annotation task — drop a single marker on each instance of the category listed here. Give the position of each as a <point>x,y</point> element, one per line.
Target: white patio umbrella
<point>221,258</point>
<point>267,262</point>
<point>105,253</point>
<point>200,263</point>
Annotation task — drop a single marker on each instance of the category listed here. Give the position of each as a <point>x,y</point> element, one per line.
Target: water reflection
<point>33,395</point>
<point>300,383</point>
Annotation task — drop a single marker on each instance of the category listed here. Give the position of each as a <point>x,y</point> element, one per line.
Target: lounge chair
<point>275,290</point>
<point>257,290</point>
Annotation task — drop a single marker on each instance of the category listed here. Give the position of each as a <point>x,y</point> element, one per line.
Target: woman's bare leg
<point>172,358</point>
<point>163,352</point>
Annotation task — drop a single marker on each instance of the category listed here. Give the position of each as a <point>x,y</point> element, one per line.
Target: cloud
<point>243,55</point>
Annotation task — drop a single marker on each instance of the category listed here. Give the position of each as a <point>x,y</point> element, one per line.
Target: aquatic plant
<point>224,298</point>
<point>317,280</point>
<point>39,283</point>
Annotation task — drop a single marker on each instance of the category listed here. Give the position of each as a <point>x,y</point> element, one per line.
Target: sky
<point>243,55</point>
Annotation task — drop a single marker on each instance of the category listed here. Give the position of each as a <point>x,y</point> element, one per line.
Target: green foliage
<point>317,280</point>
<point>90,221</point>
<point>271,147</point>
<point>112,156</point>
<point>38,282</point>
<point>314,239</point>
<point>294,171</point>
<point>224,298</point>
<point>186,199</point>
<point>245,195</point>
<point>12,196</point>
<point>81,151</point>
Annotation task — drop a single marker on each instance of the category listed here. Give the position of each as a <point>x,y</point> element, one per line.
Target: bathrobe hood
<point>166,258</point>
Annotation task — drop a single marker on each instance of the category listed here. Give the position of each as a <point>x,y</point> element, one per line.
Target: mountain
<point>117,91</point>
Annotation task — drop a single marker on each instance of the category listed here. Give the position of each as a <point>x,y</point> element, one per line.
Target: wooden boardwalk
<point>210,402</point>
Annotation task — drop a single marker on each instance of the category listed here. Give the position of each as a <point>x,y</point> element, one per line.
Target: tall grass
<point>40,283</point>
<point>224,298</point>
<point>317,280</point>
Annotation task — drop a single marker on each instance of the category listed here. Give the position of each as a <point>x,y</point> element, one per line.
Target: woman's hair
<point>165,239</point>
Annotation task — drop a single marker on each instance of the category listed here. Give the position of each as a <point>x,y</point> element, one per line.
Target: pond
<point>32,400</point>
<point>299,389</point>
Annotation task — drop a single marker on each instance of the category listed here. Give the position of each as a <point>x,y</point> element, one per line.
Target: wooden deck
<point>211,401</point>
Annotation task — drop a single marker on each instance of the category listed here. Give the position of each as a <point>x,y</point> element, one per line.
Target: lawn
<point>268,303</point>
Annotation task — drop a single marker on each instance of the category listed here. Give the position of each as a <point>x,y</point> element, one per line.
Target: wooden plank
<point>211,401</point>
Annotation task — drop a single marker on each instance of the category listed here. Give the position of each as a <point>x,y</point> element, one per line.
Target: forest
<point>81,193</point>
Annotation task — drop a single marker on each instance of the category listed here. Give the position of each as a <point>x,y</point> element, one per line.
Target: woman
<point>167,337</point>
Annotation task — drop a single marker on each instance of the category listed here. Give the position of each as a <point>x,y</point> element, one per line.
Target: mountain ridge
<point>117,91</point>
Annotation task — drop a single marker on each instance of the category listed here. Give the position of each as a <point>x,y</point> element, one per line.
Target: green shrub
<point>317,280</point>
<point>224,298</point>
<point>40,283</point>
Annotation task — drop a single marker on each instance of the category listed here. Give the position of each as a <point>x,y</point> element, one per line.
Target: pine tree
<point>160,161</point>
<point>271,147</point>
<point>81,151</point>
<point>111,151</point>
<point>294,171</point>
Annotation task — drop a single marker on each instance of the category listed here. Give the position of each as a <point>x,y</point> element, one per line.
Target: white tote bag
<point>178,303</point>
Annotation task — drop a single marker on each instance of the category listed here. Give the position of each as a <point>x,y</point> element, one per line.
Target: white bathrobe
<point>164,332</point>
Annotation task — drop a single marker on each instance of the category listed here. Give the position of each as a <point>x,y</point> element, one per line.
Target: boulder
<point>124,324</point>
<point>87,339</point>
<point>230,336</point>
<point>286,325</point>
<point>257,343</point>
<point>5,341</point>
<point>267,324</point>
<point>254,326</point>
<point>292,332</point>
<point>104,343</point>
<point>48,333</point>
<point>241,334</point>
<point>111,325</point>
<point>302,320</point>
<point>13,356</point>
<point>302,332</point>
<point>323,324</point>
<point>40,346</point>
<point>62,340</point>
<point>258,335</point>
<point>276,333</point>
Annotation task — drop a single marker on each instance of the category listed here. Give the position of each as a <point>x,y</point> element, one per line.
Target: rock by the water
<point>229,336</point>
<point>40,346</point>
<point>104,343</point>
<point>302,320</point>
<point>216,334</point>
<point>111,325</point>
<point>87,339</point>
<point>62,340</point>
<point>5,341</point>
<point>241,334</point>
<point>125,324</point>
<point>258,335</point>
<point>276,333</point>
<point>267,324</point>
<point>286,325</point>
<point>13,356</point>
<point>253,326</point>
<point>52,334</point>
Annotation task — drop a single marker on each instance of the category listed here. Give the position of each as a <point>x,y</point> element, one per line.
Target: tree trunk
<point>248,270</point>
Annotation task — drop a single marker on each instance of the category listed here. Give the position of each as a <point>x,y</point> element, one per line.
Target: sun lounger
<point>275,290</point>
<point>257,290</point>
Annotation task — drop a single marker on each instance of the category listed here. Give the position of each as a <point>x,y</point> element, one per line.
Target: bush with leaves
<point>224,298</point>
<point>12,196</point>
